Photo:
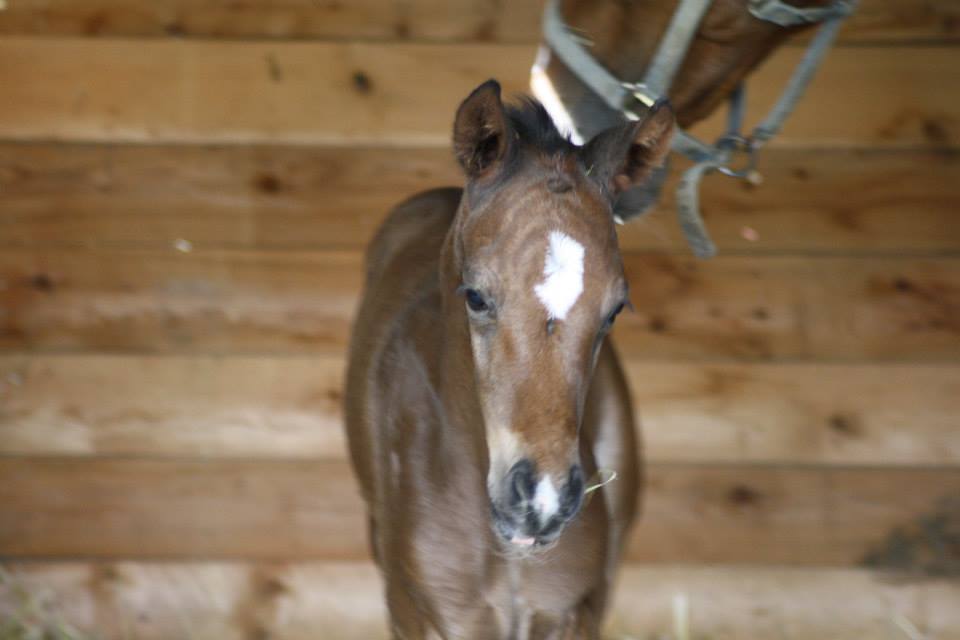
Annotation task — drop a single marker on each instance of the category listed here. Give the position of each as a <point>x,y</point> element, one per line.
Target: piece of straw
<point>681,617</point>
<point>908,628</point>
<point>611,476</point>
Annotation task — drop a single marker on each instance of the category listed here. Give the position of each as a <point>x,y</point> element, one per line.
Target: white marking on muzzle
<point>563,275</point>
<point>545,498</point>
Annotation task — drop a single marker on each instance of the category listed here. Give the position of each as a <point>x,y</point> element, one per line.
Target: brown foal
<point>483,393</point>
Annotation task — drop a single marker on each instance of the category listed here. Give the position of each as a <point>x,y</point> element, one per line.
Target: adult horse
<point>482,391</point>
<point>606,60</point>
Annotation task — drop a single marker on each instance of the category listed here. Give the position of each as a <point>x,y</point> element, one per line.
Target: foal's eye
<point>475,301</point>
<point>613,316</point>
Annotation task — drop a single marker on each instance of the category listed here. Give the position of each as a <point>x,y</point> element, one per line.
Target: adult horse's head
<point>534,264</point>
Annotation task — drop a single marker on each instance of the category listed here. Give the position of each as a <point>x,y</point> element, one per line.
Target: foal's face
<point>541,282</point>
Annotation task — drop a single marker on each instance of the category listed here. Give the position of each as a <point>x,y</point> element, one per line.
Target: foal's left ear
<point>624,156</point>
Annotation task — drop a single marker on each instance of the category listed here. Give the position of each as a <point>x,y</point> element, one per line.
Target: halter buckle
<point>733,145</point>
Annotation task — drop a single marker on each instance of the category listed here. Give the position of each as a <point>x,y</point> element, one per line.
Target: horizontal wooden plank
<point>290,407</point>
<point>268,197</point>
<point>154,406</point>
<point>459,20</point>
<point>869,96</point>
<point>223,302</point>
<point>816,414</point>
<point>234,197</point>
<point>785,308</point>
<point>743,308</point>
<point>416,20</point>
<point>282,510</point>
<point>785,603</point>
<point>202,91</point>
<point>236,601</point>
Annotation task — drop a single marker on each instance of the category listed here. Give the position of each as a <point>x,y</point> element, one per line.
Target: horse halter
<point>632,98</point>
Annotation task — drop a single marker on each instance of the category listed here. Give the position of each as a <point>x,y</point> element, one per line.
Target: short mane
<point>536,128</point>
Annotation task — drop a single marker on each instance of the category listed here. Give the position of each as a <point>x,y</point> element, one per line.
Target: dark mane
<point>533,124</point>
<point>535,127</point>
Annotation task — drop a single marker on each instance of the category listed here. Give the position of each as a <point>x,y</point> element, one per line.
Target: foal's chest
<point>525,614</point>
<point>541,596</point>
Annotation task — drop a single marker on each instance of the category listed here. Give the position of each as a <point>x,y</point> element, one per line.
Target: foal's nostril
<point>575,481</point>
<point>522,483</point>
<point>572,494</point>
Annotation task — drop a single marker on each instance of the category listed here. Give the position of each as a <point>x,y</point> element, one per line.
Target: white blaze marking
<point>563,275</point>
<point>545,499</point>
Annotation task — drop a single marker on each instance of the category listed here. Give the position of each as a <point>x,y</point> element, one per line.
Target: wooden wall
<point>185,193</point>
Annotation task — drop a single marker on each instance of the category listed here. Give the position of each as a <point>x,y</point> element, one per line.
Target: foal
<point>482,391</point>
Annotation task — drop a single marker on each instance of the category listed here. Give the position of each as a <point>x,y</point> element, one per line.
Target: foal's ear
<point>481,131</point>
<point>624,156</point>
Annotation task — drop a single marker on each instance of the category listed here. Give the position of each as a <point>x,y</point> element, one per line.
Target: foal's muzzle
<point>531,509</point>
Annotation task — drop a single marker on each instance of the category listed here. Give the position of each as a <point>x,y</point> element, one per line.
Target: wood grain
<point>742,308</point>
<point>428,20</point>
<point>269,197</point>
<point>234,601</point>
<point>300,509</point>
<point>401,94</point>
<point>187,406</point>
<point>290,407</point>
<point>825,309</point>
<point>798,413</point>
<point>171,301</point>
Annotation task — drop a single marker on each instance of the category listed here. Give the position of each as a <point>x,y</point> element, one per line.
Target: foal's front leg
<point>408,622</point>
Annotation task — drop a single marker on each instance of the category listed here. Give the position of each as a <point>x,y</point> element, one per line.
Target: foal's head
<point>541,281</point>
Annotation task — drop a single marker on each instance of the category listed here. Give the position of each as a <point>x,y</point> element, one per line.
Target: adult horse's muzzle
<point>531,511</point>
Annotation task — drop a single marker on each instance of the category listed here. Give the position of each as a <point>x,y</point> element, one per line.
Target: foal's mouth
<point>530,512</point>
<point>527,534</point>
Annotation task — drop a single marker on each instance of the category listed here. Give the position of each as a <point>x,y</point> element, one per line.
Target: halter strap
<point>785,15</point>
<point>673,45</point>
<point>568,48</point>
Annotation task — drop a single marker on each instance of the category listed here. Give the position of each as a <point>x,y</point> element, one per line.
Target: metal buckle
<point>735,145</point>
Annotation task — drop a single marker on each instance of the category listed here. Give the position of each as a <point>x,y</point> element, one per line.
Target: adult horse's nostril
<point>522,483</point>
<point>572,494</point>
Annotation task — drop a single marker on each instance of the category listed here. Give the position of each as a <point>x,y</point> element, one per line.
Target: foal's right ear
<point>481,132</point>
